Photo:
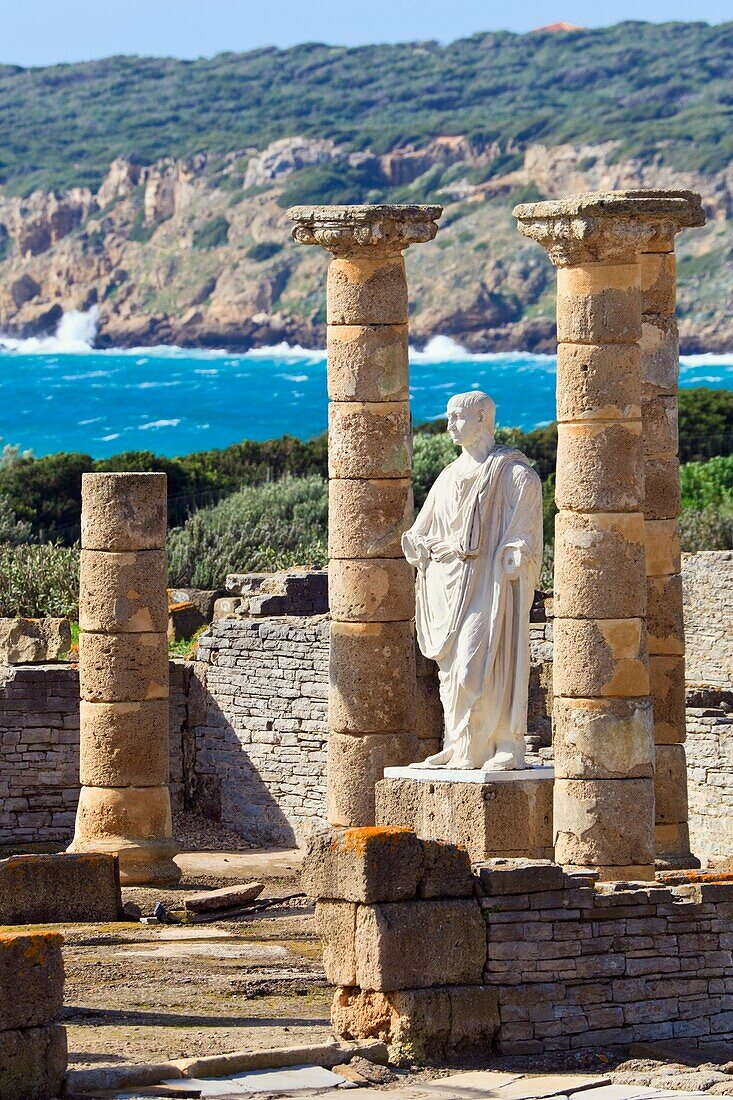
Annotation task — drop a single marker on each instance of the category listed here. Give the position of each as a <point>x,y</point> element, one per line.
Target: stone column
<point>372,697</point>
<point>124,807</point>
<point>603,731</point>
<point>660,376</point>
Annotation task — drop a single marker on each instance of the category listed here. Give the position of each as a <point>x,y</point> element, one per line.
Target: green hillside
<point>661,90</point>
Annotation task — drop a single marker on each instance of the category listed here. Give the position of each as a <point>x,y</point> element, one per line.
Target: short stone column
<point>124,807</point>
<point>372,697</point>
<point>603,730</point>
<point>660,377</point>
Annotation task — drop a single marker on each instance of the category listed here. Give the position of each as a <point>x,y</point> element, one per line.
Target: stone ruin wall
<point>248,723</point>
<point>39,749</point>
<point>708,602</point>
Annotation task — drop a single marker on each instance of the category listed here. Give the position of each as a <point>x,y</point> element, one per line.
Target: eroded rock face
<point>134,248</point>
<point>33,641</point>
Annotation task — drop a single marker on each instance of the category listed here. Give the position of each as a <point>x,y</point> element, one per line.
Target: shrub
<point>431,454</point>
<point>707,484</point>
<point>39,580</point>
<point>260,528</point>
<point>707,529</point>
<point>212,234</point>
<point>264,250</point>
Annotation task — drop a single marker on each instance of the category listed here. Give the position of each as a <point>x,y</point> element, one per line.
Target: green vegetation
<point>264,250</point>
<point>257,529</point>
<point>213,234</point>
<point>633,82</point>
<point>263,506</point>
<point>39,580</point>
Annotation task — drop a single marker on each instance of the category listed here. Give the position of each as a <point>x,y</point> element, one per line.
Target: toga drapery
<point>472,618</point>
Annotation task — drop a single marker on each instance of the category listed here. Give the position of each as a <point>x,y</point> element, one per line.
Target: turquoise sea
<point>60,394</point>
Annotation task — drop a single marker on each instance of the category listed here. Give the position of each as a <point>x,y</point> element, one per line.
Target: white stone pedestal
<point>492,814</point>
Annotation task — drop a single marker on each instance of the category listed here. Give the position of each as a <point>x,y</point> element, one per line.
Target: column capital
<point>376,231</point>
<point>608,226</point>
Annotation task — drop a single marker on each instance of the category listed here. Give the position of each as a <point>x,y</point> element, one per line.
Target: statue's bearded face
<point>466,424</point>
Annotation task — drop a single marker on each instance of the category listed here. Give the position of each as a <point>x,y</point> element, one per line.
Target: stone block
<point>368,363</point>
<point>600,466</point>
<point>368,440</point>
<point>598,382</point>
<point>120,668</point>
<point>33,641</point>
<point>123,511</point>
<point>134,823</point>
<point>364,865</point>
<point>658,282</point>
<point>662,495</point>
<point>603,738</point>
<point>660,364</point>
<point>184,620</point>
<point>630,872</point>
<point>123,593</point>
<point>371,590</point>
<point>32,979</point>
<point>372,677</point>
<point>672,842</point>
<point>662,537</point>
<point>50,889</point>
<point>336,926</point>
<point>600,657</point>
<point>367,518</point>
<point>418,944</point>
<point>421,1025</point>
<point>659,419</point>
<point>599,304</point>
<point>124,744</point>
<point>665,625</point>
<point>599,565</point>
<point>670,785</point>
<point>356,763</point>
<point>502,877</point>
<point>489,819</point>
<point>32,1062</point>
<point>367,291</point>
<point>227,897</point>
<point>447,871</point>
<point>604,822</point>
<point>667,683</point>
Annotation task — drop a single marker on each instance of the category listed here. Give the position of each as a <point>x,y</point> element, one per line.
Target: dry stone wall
<point>39,749</point>
<point>707,585</point>
<point>432,955</point>
<point>710,772</point>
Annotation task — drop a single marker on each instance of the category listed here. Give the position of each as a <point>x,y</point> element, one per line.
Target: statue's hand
<point>511,560</point>
<point>441,551</point>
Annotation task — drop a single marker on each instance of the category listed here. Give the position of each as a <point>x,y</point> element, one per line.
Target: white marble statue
<point>477,547</point>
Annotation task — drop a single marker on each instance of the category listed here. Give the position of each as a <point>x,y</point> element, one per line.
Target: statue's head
<point>471,418</point>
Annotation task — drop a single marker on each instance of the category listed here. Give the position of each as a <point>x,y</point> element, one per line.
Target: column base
<point>133,823</point>
<point>492,814</point>
<point>672,843</point>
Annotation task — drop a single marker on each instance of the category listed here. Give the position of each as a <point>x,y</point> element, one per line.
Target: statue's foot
<point>503,762</point>
<point>437,760</point>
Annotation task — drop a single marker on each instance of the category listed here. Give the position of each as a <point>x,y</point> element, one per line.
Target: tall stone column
<point>124,807</point>
<point>603,729</point>
<point>372,697</point>
<point>660,377</point>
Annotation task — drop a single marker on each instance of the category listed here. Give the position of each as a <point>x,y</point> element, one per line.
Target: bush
<point>707,484</point>
<point>39,580</point>
<point>259,529</point>
<point>263,250</point>
<point>431,454</point>
<point>212,234</point>
<point>706,529</point>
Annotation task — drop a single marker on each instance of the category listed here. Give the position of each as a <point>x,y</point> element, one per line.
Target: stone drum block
<point>123,593</point>
<point>123,511</point>
<point>603,738</point>
<point>604,822</point>
<point>371,590</point>
<point>367,291</point>
<point>356,763</point>
<point>124,744</point>
<point>371,440</point>
<point>368,363</point>
<point>600,657</point>
<point>120,668</point>
<point>599,565</point>
<point>363,655</point>
<point>367,518</point>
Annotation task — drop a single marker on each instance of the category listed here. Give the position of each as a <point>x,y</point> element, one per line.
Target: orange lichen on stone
<point>356,840</point>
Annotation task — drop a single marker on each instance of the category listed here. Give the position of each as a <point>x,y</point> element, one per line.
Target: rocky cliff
<point>197,251</point>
